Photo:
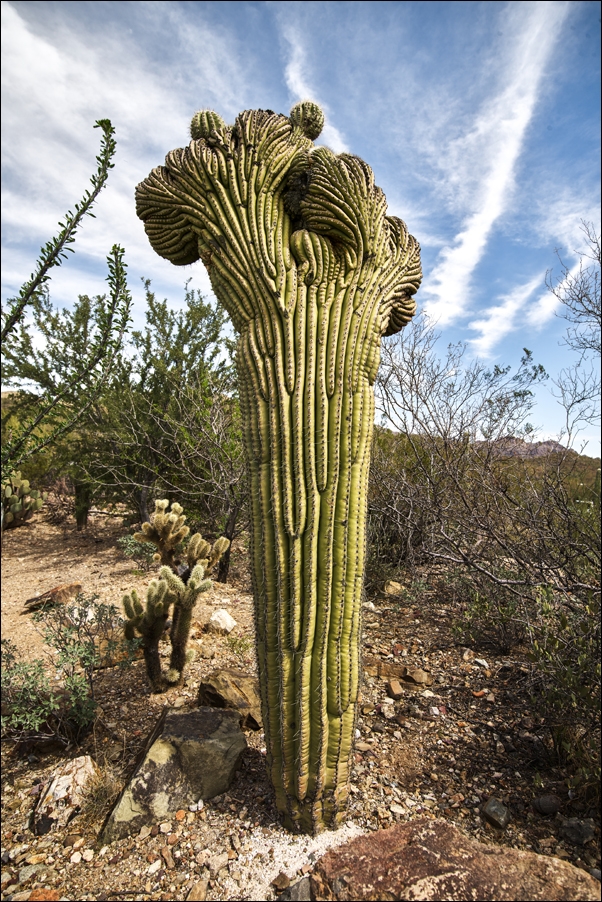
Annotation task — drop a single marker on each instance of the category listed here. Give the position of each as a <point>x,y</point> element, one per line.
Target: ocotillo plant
<point>313,273</point>
<point>178,584</point>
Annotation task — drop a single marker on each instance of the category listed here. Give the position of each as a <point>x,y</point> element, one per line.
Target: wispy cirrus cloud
<point>499,320</point>
<point>491,150</point>
<point>298,83</point>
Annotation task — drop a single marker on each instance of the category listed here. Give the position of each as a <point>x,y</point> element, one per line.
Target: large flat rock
<point>187,757</point>
<point>432,860</point>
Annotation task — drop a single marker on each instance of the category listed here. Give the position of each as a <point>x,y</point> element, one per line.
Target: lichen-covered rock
<point>61,800</point>
<point>235,689</point>
<point>187,757</point>
<point>432,860</point>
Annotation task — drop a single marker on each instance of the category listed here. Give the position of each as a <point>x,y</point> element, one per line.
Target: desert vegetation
<point>465,508</point>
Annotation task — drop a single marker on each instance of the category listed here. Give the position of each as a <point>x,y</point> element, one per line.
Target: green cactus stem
<point>313,272</point>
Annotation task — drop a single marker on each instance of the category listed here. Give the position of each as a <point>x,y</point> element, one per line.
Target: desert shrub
<point>86,636</point>
<point>140,552</point>
<point>32,708</point>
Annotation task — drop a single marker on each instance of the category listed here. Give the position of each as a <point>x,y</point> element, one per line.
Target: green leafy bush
<point>140,552</point>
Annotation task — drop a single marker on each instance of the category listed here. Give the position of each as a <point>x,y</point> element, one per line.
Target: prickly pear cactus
<point>313,273</point>
<point>19,501</point>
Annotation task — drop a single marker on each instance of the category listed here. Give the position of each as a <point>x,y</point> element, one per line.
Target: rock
<point>217,863</point>
<point>62,798</point>
<point>394,689</point>
<point>577,831</point>
<point>547,804</point>
<point>496,813</point>
<point>27,872</point>
<point>221,622</point>
<point>414,675</point>
<point>188,756</point>
<point>235,689</point>
<point>44,895</point>
<point>198,892</point>
<point>595,872</point>
<point>393,588</point>
<point>296,892</point>
<point>432,860</point>
<point>282,881</point>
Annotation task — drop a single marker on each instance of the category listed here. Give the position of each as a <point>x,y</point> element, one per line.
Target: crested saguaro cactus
<point>313,273</point>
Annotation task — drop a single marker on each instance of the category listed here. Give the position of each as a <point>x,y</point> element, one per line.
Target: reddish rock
<point>432,860</point>
<point>44,895</point>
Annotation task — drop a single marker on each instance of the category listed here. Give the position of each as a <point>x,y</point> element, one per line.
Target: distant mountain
<point>509,446</point>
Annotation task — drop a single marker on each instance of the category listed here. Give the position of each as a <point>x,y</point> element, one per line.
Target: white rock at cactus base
<point>221,622</point>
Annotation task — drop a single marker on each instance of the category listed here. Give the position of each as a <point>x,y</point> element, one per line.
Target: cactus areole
<point>312,271</point>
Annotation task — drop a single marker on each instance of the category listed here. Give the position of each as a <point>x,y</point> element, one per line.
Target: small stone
<point>154,830</point>
<point>427,694</point>
<point>396,809</point>
<point>482,663</point>
<point>221,622</point>
<point>394,689</point>
<point>88,854</point>
<point>595,873</point>
<point>165,827</point>
<point>154,867</point>
<point>145,832</point>
<point>500,748</point>
<point>547,804</point>
<point>76,858</point>
<point>281,881</point>
<point>180,702</point>
<point>198,891</point>
<point>496,813</point>
<point>217,863</point>
<point>180,815</point>
<point>167,857</point>
<point>393,588</point>
<point>44,895</point>
<point>27,873</point>
<point>577,831</point>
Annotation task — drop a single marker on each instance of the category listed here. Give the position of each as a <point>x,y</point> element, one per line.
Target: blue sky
<point>480,120</point>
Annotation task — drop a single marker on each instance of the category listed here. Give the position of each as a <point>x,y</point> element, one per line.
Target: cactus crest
<point>308,116</point>
<point>204,122</point>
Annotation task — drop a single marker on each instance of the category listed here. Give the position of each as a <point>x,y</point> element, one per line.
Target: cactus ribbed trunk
<point>313,272</point>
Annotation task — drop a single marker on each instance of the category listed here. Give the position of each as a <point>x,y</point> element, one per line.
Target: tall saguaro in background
<point>313,273</point>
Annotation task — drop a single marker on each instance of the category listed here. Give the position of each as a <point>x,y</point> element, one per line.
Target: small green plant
<point>31,709</point>
<point>239,645</point>
<point>140,552</point>
<point>86,636</point>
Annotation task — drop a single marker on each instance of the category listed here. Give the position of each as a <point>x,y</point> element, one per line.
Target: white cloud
<point>499,320</point>
<point>297,82</point>
<point>491,149</point>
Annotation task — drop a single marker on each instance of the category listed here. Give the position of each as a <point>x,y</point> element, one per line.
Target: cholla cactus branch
<point>166,530</point>
<point>313,272</point>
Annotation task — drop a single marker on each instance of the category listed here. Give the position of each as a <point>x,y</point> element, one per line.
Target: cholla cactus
<point>177,585</point>
<point>313,272</point>
<point>166,530</point>
<point>19,501</point>
<point>185,598</point>
<point>148,621</point>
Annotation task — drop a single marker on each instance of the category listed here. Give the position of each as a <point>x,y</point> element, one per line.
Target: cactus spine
<point>178,585</point>
<point>313,273</point>
<point>19,501</point>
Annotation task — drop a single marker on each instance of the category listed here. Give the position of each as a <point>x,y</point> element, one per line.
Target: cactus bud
<point>308,116</point>
<point>204,122</point>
